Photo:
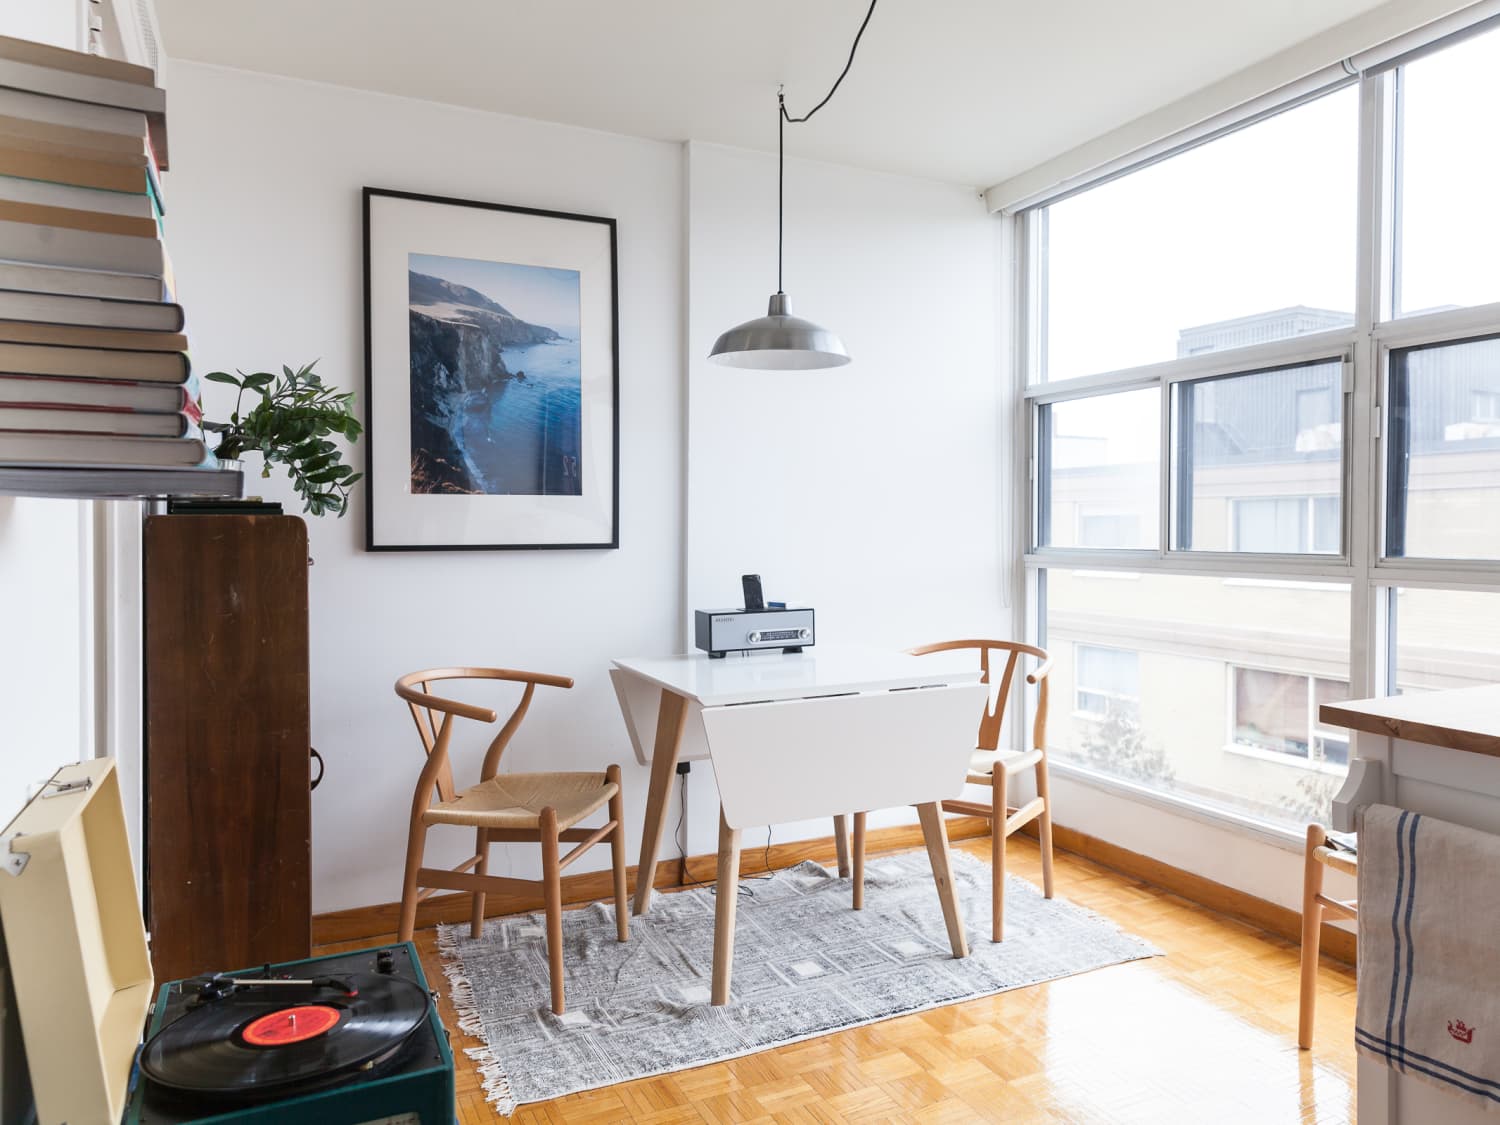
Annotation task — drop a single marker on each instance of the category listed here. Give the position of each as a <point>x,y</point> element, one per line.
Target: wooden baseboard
<point>1337,943</point>
<point>594,886</point>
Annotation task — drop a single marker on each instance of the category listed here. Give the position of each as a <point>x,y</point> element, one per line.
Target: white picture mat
<point>400,227</point>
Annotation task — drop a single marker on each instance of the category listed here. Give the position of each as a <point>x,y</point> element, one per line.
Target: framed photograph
<point>491,376</point>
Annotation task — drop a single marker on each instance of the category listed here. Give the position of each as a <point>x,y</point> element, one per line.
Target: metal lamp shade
<point>779,342</point>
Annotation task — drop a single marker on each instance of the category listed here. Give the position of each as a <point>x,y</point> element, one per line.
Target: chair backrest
<point>994,714</point>
<point>434,717</point>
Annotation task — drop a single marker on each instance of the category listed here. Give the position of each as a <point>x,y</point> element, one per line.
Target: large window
<point>1245,505</point>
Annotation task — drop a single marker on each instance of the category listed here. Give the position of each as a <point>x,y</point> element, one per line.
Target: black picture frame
<point>382,530</point>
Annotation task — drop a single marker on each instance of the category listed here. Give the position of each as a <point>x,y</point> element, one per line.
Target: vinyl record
<point>264,1042</point>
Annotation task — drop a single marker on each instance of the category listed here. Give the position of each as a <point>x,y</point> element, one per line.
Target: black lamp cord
<point>782,120</point>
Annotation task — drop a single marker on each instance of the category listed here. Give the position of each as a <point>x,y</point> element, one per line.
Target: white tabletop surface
<point>820,670</point>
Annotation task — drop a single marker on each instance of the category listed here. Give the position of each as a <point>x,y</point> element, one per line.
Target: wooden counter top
<point>1462,719</point>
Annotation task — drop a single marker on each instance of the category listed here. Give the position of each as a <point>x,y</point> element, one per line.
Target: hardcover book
<point>94,363</point>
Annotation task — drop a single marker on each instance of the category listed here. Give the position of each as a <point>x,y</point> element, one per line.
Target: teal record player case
<point>414,1088</point>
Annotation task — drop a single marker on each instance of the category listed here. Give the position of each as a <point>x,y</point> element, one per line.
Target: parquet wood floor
<point>1206,1033</point>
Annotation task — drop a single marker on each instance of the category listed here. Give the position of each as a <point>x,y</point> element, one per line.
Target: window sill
<point>1289,839</point>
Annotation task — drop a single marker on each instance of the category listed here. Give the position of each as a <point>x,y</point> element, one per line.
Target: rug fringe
<point>493,1079</point>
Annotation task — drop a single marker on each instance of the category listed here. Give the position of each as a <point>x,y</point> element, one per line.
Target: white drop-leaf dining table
<point>792,736</point>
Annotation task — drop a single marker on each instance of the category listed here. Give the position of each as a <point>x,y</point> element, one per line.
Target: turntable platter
<point>263,1042</point>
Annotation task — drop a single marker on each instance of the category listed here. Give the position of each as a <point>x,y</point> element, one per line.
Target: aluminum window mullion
<point>1293,351</point>
<point>1361,469</point>
<point>1164,474</point>
<point>1438,327</point>
<point>1290,568</point>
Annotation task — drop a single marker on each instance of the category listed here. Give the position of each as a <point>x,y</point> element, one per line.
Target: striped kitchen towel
<point>1429,948</point>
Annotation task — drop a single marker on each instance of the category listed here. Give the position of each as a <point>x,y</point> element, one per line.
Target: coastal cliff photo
<point>495,378</point>
<point>492,376</point>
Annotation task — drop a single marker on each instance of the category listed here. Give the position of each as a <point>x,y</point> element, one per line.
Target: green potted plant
<point>289,424</point>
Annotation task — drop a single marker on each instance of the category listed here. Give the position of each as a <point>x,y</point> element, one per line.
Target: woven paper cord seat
<point>516,800</point>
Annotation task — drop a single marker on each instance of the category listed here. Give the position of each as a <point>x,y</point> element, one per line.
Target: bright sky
<point>536,294</point>
<point>1263,219</point>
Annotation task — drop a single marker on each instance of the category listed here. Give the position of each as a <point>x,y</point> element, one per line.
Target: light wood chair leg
<point>1312,933</point>
<point>482,850</point>
<point>998,807</point>
<point>552,891</point>
<point>1044,825</point>
<point>859,861</point>
<point>617,855</point>
<point>671,717</point>
<point>841,842</point>
<point>726,894</point>
<point>936,836</point>
<point>415,841</point>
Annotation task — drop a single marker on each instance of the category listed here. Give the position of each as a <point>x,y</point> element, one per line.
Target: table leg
<point>936,835</point>
<point>726,894</point>
<point>859,861</point>
<point>670,720</point>
<point>841,842</point>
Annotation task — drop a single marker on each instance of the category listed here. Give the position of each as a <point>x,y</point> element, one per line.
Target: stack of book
<point>94,370</point>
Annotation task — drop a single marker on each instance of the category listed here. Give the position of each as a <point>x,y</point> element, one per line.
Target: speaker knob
<point>804,634</point>
<point>754,637</point>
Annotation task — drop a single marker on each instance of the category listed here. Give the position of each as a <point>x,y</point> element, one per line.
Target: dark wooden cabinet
<point>227,800</point>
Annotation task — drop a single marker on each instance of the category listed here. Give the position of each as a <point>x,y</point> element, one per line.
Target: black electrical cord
<point>842,74</point>
<point>783,118</point>
<point>683,879</point>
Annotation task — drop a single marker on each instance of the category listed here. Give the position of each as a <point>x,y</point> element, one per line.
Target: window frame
<point>1364,349</point>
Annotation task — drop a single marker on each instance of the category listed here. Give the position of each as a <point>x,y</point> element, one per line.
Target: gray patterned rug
<point>805,964</point>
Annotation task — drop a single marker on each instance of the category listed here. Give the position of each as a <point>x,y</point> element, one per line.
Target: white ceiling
<point>966,91</point>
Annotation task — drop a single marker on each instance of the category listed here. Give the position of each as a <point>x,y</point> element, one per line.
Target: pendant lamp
<point>779,341</point>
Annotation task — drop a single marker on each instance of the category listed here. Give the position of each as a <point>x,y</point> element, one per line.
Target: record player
<point>346,1039</point>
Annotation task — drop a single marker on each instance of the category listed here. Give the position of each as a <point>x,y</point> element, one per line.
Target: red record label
<point>290,1025</point>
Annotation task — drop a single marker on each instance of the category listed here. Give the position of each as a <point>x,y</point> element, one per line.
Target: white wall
<point>264,224</point>
<point>41,653</point>
<point>59,22</point>
<point>263,221</point>
<point>870,491</point>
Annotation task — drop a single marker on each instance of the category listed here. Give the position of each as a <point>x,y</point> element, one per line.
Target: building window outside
<point>1108,680</point>
<point>1486,406</point>
<point>1109,529</point>
<point>1277,712</point>
<point>1291,525</point>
